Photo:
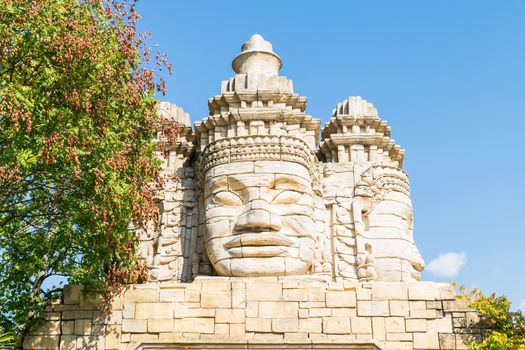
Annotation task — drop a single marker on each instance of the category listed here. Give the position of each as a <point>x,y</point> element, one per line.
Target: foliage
<point>7,341</point>
<point>508,327</point>
<point>77,163</point>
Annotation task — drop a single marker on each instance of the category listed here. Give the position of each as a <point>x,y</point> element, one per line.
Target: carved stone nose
<point>258,217</point>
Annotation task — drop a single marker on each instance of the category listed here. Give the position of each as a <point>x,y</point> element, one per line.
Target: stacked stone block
<point>246,311</point>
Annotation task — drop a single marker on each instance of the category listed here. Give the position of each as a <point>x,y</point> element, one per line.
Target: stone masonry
<point>226,313</point>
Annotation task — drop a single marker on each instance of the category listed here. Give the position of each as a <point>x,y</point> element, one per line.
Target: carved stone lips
<point>259,239</point>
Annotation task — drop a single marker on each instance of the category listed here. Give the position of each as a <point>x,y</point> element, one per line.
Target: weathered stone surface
<point>160,325</point>
<point>340,299</point>
<point>134,326</point>
<point>83,327</point>
<point>336,325</point>
<point>416,325</point>
<point>230,316</point>
<point>194,325</point>
<point>258,325</point>
<point>426,341</point>
<point>395,325</point>
<point>153,310</point>
<point>282,325</point>
<point>373,308</point>
<point>41,342</point>
<point>310,325</point>
<point>271,309</point>
<point>216,299</point>
<point>361,325</point>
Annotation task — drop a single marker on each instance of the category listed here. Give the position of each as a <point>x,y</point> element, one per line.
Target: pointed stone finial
<point>257,58</point>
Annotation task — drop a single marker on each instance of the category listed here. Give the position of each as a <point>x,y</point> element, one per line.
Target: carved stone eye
<point>227,198</point>
<point>287,197</point>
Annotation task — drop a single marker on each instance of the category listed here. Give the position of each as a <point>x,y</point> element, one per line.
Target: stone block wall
<point>221,312</point>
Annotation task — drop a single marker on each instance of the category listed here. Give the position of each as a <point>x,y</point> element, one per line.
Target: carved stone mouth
<point>259,239</point>
<point>258,251</point>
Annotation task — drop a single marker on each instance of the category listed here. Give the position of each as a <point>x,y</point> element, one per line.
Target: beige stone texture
<point>175,295</point>
<point>361,325</point>
<point>49,328</point>
<point>399,308</point>
<point>83,327</point>
<point>395,325</point>
<point>399,336</point>
<point>340,299</point>
<point>310,325</point>
<point>283,325</point>
<point>426,341</point>
<point>447,341</point>
<point>416,325</point>
<point>426,291</point>
<point>160,325</point>
<point>336,325</point>
<point>387,291</point>
<point>41,342</point>
<point>75,315</point>
<point>378,328</point>
<point>142,295</point>
<point>194,325</point>
<point>68,327</point>
<point>134,326</point>
<point>216,299</point>
<point>319,312</point>
<point>264,291</point>
<point>68,342</point>
<point>373,308</point>
<point>258,325</point>
<point>129,311</point>
<point>237,330</point>
<point>113,337</point>
<point>230,316</point>
<point>279,309</point>
<point>153,310</point>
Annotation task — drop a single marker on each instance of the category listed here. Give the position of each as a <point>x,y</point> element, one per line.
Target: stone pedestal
<point>263,313</point>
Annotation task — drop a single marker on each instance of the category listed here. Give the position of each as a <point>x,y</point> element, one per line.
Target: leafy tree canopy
<point>508,327</point>
<point>77,115</point>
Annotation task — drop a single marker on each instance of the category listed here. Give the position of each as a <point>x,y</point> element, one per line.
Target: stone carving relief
<point>257,193</point>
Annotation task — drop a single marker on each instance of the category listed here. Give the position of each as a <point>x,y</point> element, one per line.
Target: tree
<point>507,327</point>
<point>77,163</point>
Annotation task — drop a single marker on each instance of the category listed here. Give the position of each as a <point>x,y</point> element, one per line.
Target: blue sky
<point>448,76</point>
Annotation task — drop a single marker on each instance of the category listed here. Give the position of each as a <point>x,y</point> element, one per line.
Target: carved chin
<point>253,267</point>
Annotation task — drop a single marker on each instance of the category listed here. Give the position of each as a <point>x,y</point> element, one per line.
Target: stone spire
<point>257,102</point>
<point>257,58</point>
<point>355,133</point>
<point>257,68</point>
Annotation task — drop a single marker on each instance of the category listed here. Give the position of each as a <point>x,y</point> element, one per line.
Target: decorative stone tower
<point>270,238</point>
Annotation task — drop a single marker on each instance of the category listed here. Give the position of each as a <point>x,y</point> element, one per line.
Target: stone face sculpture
<point>259,211</point>
<point>258,195</point>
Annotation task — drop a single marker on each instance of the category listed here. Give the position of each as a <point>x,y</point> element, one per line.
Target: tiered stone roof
<point>257,101</point>
<point>355,133</point>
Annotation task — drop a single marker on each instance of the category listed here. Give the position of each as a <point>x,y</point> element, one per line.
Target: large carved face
<point>259,218</point>
<point>389,227</point>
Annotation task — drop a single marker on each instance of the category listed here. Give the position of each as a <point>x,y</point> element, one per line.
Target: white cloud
<point>448,264</point>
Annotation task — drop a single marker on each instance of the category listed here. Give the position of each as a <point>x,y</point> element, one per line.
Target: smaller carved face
<point>259,219</point>
<point>389,226</point>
